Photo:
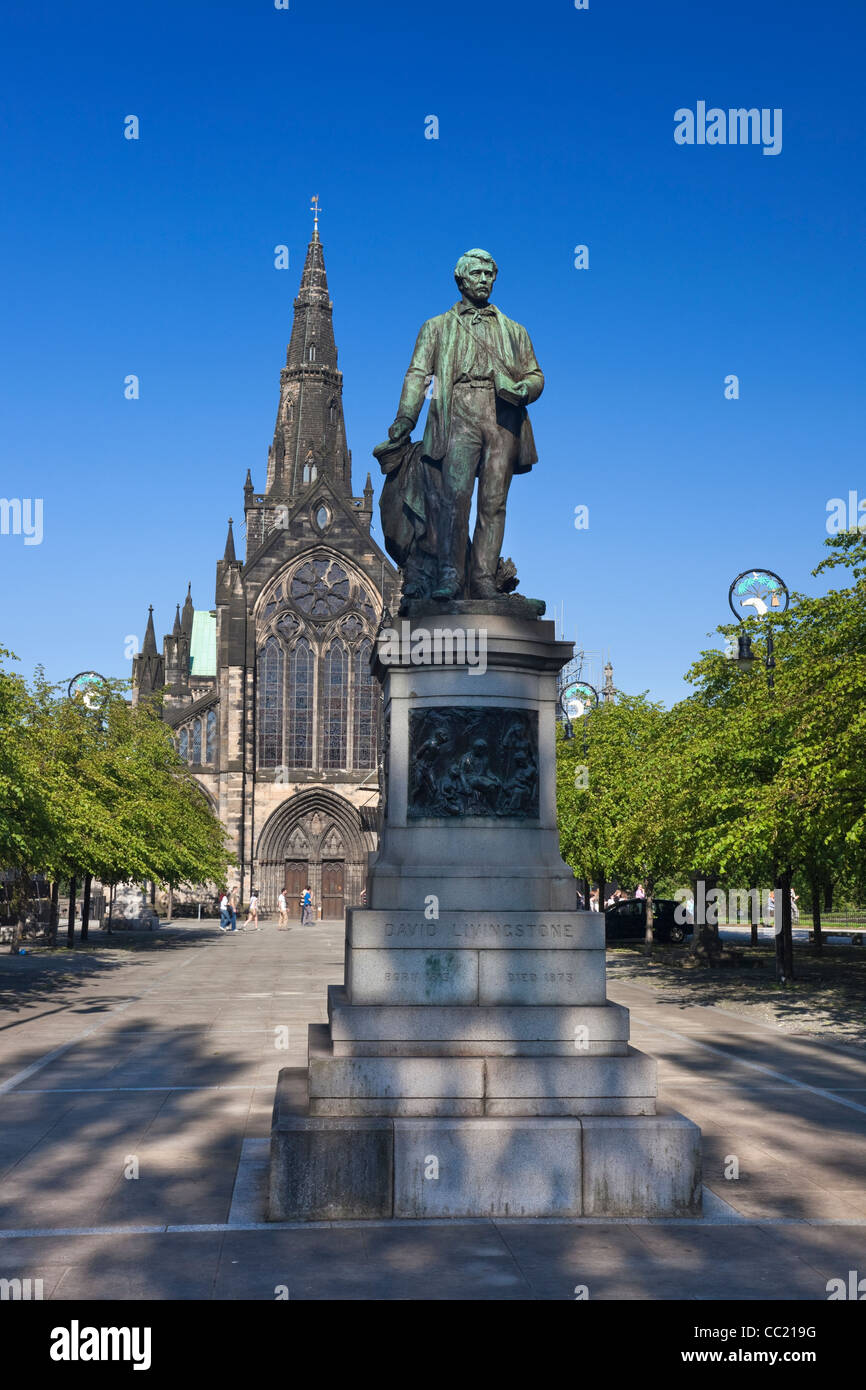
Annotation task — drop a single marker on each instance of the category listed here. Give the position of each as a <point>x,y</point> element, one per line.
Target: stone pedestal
<point>471,1064</point>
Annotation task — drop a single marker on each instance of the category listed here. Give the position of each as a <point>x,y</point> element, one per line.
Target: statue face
<point>477,280</point>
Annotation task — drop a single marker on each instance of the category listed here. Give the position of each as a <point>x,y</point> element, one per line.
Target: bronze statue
<point>479,372</point>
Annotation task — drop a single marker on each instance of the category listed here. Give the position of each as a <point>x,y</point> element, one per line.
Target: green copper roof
<point>202,646</point>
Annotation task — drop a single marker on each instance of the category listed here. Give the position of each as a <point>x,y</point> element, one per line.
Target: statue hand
<point>400,430</point>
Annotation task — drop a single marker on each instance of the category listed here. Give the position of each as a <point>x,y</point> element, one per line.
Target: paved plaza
<point>136,1086</point>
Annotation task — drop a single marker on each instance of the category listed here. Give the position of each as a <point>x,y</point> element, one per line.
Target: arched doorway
<point>315,836</point>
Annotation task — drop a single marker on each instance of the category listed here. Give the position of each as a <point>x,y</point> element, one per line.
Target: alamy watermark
<point>439,646</point>
<point>736,126</point>
<point>22,516</point>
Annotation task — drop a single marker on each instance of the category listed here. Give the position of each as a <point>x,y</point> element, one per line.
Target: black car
<point>626,921</point>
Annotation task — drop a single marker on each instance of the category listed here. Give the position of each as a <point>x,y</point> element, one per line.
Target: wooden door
<point>332,889</point>
<point>297,878</point>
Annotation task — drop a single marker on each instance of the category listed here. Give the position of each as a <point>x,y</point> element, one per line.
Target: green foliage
<point>105,793</point>
<point>736,783</point>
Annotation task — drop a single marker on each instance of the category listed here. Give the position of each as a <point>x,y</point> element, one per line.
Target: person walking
<point>252,922</point>
<point>233,909</point>
<point>306,907</point>
<point>282,908</point>
<point>225,914</point>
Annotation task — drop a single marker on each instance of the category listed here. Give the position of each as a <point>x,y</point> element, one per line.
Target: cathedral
<point>269,693</point>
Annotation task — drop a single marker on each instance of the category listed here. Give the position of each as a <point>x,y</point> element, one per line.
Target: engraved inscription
<point>473,762</point>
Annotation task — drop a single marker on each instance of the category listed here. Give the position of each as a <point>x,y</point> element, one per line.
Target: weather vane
<point>315,211</point>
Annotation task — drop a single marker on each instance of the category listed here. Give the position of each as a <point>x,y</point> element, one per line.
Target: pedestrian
<point>306,907</point>
<point>640,891</point>
<point>252,922</point>
<point>593,900</point>
<point>233,909</point>
<point>283,910</point>
<point>225,915</point>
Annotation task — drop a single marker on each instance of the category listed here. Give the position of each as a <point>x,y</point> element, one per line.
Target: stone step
<point>333,1168</point>
<point>486,1030</point>
<point>401,1085</point>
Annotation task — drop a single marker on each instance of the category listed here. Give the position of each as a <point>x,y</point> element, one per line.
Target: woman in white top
<point>252,913</point>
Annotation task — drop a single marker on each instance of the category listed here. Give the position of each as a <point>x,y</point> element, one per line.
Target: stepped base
<point>356,1168</point>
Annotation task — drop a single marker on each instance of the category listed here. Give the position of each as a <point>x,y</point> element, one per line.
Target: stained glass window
<point>366,606</point>
<point>320,588</point>
<point>210,740</point>
<point>334,702</point>
<point>183,745</point>
<point>196,742</point>
<point>364,709</point>
<point>270,683</point>
<point>300,730</point>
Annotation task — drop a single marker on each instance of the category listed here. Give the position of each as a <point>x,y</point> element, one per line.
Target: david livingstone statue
<point>478,370</point>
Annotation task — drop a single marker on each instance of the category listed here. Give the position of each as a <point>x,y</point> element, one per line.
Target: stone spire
<point>177,630</point>
<point>310,434</point>
<point>149,646</point>
<point>148,667</point>
<point>229,555</point>
<point>188,612</point>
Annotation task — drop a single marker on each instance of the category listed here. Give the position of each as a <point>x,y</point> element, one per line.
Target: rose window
<point>320,588</point>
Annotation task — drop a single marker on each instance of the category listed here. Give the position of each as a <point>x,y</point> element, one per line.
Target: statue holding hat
<point>478,370</point>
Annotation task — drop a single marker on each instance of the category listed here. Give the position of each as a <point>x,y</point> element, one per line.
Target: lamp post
<point>577,699</point>
<point>766,593</point>
<point>91,693</point>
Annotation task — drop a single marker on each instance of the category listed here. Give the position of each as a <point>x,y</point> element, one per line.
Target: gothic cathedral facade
<point>270,692</point>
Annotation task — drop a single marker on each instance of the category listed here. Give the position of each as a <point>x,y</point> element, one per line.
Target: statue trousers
<point>484,444</point>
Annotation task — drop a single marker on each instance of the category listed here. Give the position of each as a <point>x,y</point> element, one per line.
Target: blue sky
<point>155,257</point>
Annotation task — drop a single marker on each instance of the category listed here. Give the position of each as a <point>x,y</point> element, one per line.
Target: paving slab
<point>181,1026</point>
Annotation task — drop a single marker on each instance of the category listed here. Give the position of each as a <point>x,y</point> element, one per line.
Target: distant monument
<point>472,1064</point>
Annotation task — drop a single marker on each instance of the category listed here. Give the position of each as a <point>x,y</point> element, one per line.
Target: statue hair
<point>475,255</point>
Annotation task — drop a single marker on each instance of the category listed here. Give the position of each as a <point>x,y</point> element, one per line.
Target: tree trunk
<point>787,926</point>
<point>648,915</point>
<point>54,914</point>
<point>85,907</point>
<point>170,907</point>
<point>815,891</point>
<point>828,895</point>
<point>70,925</point>
<point>754,916</point>
<point>601,887</point>
<point>110,906</point>
<point>782,928</point>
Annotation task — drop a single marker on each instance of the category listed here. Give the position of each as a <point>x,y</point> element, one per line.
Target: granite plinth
<point>465,1165</point>
<point>472,1043</point>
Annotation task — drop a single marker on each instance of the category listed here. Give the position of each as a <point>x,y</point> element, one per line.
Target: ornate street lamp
<point>766,593</point>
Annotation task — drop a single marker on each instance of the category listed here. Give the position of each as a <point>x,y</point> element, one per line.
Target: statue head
<point>475,273</point>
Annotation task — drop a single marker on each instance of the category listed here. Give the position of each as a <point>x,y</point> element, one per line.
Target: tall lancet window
<point>300,727</point>
<point>183,745</point>
<point>363,709</point>
<point>335,690</point>
<point>195,752</point>
<point>332,412</point>
<point>210,738</point>
<point>311,352</point>
<point>270,712</point>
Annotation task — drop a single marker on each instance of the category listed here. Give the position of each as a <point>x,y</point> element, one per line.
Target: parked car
<point>626,921</point>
